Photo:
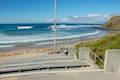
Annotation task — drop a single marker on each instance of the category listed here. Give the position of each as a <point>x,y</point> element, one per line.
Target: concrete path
<point>31,59</point>
<point>66,75</point>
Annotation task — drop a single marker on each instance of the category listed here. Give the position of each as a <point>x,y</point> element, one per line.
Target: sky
<point>42,10</point>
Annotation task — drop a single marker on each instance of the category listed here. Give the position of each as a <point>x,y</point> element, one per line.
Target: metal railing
<point>97,59</point>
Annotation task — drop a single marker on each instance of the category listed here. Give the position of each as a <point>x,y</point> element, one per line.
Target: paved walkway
<point>97,75</point>
<point>31,59</point>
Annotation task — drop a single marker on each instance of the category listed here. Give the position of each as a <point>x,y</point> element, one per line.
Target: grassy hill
<point>99,46</point>
<point>111,41</point>
<point>113,23</point>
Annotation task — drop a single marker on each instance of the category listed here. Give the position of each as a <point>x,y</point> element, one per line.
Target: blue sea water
<point>40,34</point>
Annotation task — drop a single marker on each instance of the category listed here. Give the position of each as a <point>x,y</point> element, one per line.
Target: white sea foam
<point>5,39</point>
<point>43,43</point>
<point>24,27</point>
<point>81,35</point>
<point>6,46</point>
<point>71,27</point>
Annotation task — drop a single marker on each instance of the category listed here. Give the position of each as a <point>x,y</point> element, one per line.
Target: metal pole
<point>54,26</point>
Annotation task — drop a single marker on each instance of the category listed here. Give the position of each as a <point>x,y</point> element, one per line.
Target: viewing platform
<point>66,64</point>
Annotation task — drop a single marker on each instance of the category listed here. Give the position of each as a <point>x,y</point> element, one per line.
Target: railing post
<point>84,53</point>
<point>95,58</point>
<point>65,67</point>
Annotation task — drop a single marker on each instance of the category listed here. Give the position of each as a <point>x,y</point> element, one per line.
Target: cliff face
<point>113,23</point>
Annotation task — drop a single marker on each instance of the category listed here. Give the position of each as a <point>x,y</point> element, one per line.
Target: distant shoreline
<point>45,49</point>
<point>47,45</point>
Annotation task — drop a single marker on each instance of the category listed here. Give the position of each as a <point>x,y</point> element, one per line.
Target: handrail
<point>96,56</point>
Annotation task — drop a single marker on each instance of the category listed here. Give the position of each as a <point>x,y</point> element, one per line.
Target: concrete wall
<point>112,60</point>
<point>72,52</point>
<point>84,54</point>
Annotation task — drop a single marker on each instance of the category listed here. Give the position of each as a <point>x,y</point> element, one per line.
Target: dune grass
<point>99,46</point>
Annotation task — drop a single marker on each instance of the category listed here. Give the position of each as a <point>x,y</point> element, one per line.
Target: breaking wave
<point>21,39</point>
<point>70,26</point>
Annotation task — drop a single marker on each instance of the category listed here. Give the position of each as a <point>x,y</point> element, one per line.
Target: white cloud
<point>90,18</point>
<point>102,16</point>
<point>65,19</point>
<point>76,16</point>
<point>94,15</point>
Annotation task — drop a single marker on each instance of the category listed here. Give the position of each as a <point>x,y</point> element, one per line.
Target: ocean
<point>12,35</point>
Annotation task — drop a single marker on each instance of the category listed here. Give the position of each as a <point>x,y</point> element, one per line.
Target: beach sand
<point>25,51</point>
<point>38,50</point>
<point>34,50</point>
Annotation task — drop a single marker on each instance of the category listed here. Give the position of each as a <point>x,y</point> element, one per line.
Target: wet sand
<point>25,51</point>
<point>46,49</point>
<point>38,50</point>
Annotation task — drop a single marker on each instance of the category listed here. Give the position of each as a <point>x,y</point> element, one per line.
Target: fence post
<point>84,53</point>
<point>95,58</point>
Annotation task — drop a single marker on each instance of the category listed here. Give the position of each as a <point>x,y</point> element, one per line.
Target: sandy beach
<point>38,50</point>
<point>24,51</point>
<point>33,50</point>
<point>46,49</point>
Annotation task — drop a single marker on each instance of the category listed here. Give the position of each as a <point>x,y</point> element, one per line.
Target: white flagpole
<point>54,26</point>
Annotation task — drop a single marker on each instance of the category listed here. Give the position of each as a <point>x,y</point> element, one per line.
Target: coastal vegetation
<point>113,23</point>
<point>111,41</point>
<point>101,45</point>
